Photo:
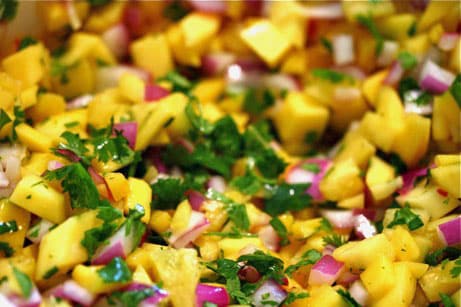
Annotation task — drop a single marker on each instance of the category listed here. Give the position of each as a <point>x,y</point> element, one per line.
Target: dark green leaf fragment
<point>116,271</point>
<point>8,227</point>
<point>24,282</point>
<point>405,216</point>
<point>287,197</point>
<point>346,296</point>
<point>455,90</point>
<point>309,257</point>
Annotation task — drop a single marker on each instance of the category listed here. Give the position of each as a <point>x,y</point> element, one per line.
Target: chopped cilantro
<point>73,144</point>
<point>407,60</point>
<point>456,270</point>
<point>325,225</point>
<point>78,183</point>
<point>346,296</point>
<point>194,114</point>
<point>237,212</point>
<point>335,240</point>
<point>412,29</point>
<point>98,2</point>
<point>368,22</point>
<point>267,265</point>
<point>255,102</point>
<point>405,216</point>
<point>309,257</point>
<point>311,137</point>
<point>175,10</point>
<point>287,197</point>
<point>8,9</point>
<point>133,224</point>
<point>4,118</point>
<point>248,184</point>
<point>455,90</point>
<point>71,124</point>
<point>235,233</point>
<point>446,300</point>
<point>51,272</point>
<point>132,298</point>
<point>179,82</point>
<point>437,256</point>
<point>24,282</point>
<point>58,69</point>
<point>115,271</point>
<point>168,193</point>
<point>311,167</point>
<point>26,42</point>
<point>6,249</point>
<point>330,75</point>
<point>291,297</point>
<point>19,117</point>
<point>281,230</point>
<point>8,227</point>
<point>327,44</point>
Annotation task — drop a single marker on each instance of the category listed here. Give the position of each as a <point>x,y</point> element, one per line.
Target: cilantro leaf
<point>133,224</point>
<point>194,115</point>
<point>167,193</point>
<point>132,298</point>
<point>8,9</point>
<point>98,2</point>
<point>346,296</point>
<point>446,300</point>
<point>248,184</point>
<point>447,252</point>
<point>111,145</point>
<point>256,101</point>
<point>407,60</point>
<point>405,216</point>
<point>229,270</point>
<point>107,213</point>
<point>209,304</point>
<point>309,257</point>
<point>204,156</point>
<point>368,22</point>
<point>4,118</point>
<point>179,82</point>
<point>115,271</point>
<point>59,69</point>
<point>235,233</point>
<point>6,249</point>
<point>281,230</point>
<point>291,297</point>
<point>74,145</point>
<point>50,273</point>
<point>26,42</point>
<point>455,90</point>
<point>94,237</point>
<point>78,183</point>
<point>327,44</point>
<point>8,227</point>
<point>226,139</point>
<point>19,117</point>
<point>311,167</point>
<point>456,270</point>
<point>335,240</point>
<point>175,11</point>
<point>287,197</point>
<point>330,75</point>
<point>267,265</point>
<point>24,282</point>
<point>237,212</point>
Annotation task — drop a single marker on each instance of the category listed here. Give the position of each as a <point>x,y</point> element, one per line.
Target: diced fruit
<point>33,139</point>
<point>117,184</point>
<point>131,87</point>
<point>448,178</point>
<point>181,217</point>
<point>47,104</point>
<point>88,277</point>
<point>153,54</point>
<point>34,195</point>
<point>231,247</point>
<point>8,213</point>
<point>446,119</point>
<point>375,9</point>
<point>379,277</point>
<point>342,181</point>
<point>404,245</point>
<point>439,280</point>
<point>198,29</point>
<point>371,86</point>
<point>403,288</point>
<point>139,192</point>
<point>358,148</point>
<point>325,296</point>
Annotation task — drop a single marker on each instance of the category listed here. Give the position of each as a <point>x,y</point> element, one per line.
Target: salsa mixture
<point>216,153</point>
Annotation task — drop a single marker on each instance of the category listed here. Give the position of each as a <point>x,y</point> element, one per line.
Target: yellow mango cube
<point>118,185</point>
<point>100,20</point>
<point>23,261</point>
<point>160,221</point>
<point>6,99</point>
<point>10,212</point>
<point>181,217</point>
<point>29,97</point>
<point>403,289</point>
<point>36,196</point>
<point>342,181</point>
<point>418,44</point>
<point>325,296</point>
<point>198,28</point>
<point>446,119</point>
<point>48,104</point>
<point>378,278</point>
<point>139,192</point>
<point>304,229</point>
<point>356,255</point>
<point>404,245</point>
<point>390,107</point>
<point>396,26</point>
<point>74,121</point>
<point>141,276</point>
<point>132,88</point>
<point>87,46</point>
<point>377,130</point>
<point>79,79</point>
<point>354,202</point>
<point>417,269</point>
<point>448,178</point>
<point>60,248</point>
<point>88,277</point>
<point>209,90</point>
<point>153,54</point>
<point>33,139</point>
<point>231,247</point>
<point>180,51</point>
<point>266,41</point>
<point>444,160</point>
<point>356,147</point>
<point>375,9</point>
<point>439,280</point>
<point>435,12</point>
<point>29,65</point>
<point>372,84</point>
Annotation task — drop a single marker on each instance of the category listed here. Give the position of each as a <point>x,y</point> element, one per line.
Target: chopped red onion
<point>340,219</point>
<point>250,64</point>
<point>369,213</point>
<point>435,79</point>
<point>5,302</point>
<point>217,183</point>
<point>217,63</point>
<point>196,199</point>
<point>54,164</point>
<point>388,54</point>
<point>448,41</point>
<point>72,291</point>
<point>343,49</point>
<point>197,225</point>
<point>129,131</point>
<point>119,244</point>
<point>395,74</point>
<point>325,271</point>
<point>79,102</point>
<point>409,179</point>
<point>268,291</point>
<point>117,40</point>
<point>324,11</point>
<point>270,238</point>
<point>359,293</point>
<point>213,294</point>
<point>450,232</point>
<point>364,229</point>
<point>39,230</point>
<point>215,6</point>
<point>34,300</point>
<point>154,92</point>
<point>132,19</point>
<point>69,154</point>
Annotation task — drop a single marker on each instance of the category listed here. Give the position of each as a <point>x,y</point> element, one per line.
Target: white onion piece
<point>39,230</point>
<point>72,291</point>
<point>268,291</point>
<point>117,40</point>
<point>343,49</point>
<point>79,102</point>
<point>281,82</point>
<point>270,238</point>
<point>435,79</point>
<point>217,63</point>
<point>107,77</point>
<point>4,182</point>
<point>339,218</point>
<point>217,183</point>
<point>359,293</point>
<point>450,232</point>
<point>324,11</point>
<point>34,300</point>
<point>409,98</point>
<point>299,175</point>
<point>395,74</point>
<point>197,225</point>
<point>363,227</point>
<point>325,271</point>
<point>119,245</point>
<point>5,302</point>
<point>448,41</point>
<point>74,19</point>
<point>388,54</point>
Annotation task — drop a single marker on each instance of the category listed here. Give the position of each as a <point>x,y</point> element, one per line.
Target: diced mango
<point>140,275</point>
<point>153,54</point>
<point>8,213</point>
<point>325,296</point>
<point>118,185</point>
<point>342,181</point>
<point>418,44</point>
<point>371,86</point>
<point>181,53</point>
<point>61,248</point>
<point>417,269</point>
<point>139,192</point>
<point>396,26</point>
<point>48,104</point>
<point>88,277</point>
<point>34,195</point>
<point>356,255</point>
<point>29,97</point>
<point>100,20</point>
<point>33,139</point>
<point>354,202</point>
<point>446,119</point>
<point>404,245</point>
<point>74,121</point>
<point>356,147</point>
<point>106,105</point>
<point>448,178</point>
<point>231,247</point>
<point>79,79</point>
<point>444,160</point>
<point>435,11</point>
<point>87,46</point>
<point>266,40</point>
<point>160,221</point>
<point>131,87</point>
<point>305,229</point>
<point>198,29</point>
<point>208,90</point>
<point>23,261</point>
<point>439,280</point>
<point>403,289</point>
<point>375,9</point>
<point>379,277</point>
<point>181,217</point>
<point>377,130</point>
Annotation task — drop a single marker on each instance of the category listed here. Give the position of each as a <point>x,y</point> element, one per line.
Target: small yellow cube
<point>34,139</point>
<point>29,97</point>
<point>153,54</point>
<point>199,28</point>
<point>139,192</point>
<point>266,40</point>
<point>10,212</point>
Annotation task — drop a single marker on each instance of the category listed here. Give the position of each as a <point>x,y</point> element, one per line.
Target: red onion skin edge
<point>129,130</point>
<point>154,92</point>
<point>109,253</point>
<point>196,199</point>
<point>212,294</point>
<point>450,232</point>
